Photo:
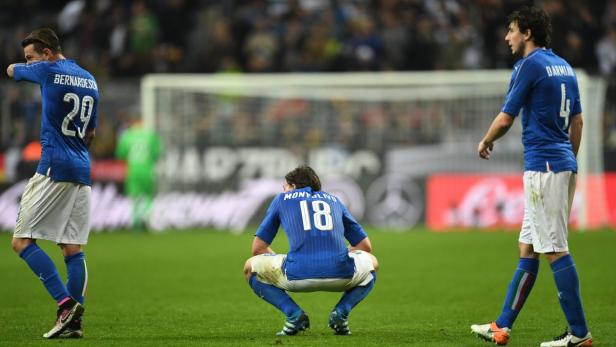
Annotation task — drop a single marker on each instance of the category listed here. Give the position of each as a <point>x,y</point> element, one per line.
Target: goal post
<point>384,132</point>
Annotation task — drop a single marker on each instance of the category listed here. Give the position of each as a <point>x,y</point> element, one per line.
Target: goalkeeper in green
<point>140,148</point>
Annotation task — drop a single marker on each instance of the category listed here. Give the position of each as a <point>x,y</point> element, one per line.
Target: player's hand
<point>484,149</point>
<point>9,70</point>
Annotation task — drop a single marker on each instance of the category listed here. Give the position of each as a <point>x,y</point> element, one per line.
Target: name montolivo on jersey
<point>559,70</point>
<point>300,194</point>
<point>75,81</point>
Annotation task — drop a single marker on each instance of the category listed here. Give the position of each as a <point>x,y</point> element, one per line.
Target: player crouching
<point>317,226</point>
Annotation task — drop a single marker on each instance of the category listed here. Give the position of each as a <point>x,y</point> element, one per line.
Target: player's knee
<point>527,251</point>
<point>68,250</point>
<point>554,256</point>
<point>248,269</point>
<point>19,245</point>
<point>375,262</point>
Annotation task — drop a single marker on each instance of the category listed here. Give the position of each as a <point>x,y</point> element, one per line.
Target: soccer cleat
<point>491,332</point>
<point>71,310</point>
<point>72,331</point>
<point>568,340</point>
<point>339,323</point>
<point>293,326</point>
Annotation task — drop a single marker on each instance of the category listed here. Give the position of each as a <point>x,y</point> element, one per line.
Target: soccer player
<point>55,205</point>
<point>141,148</point>
<point>316,224</point>
<point>545,87</point>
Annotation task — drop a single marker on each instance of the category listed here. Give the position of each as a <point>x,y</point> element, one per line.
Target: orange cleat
<point>491,332</point>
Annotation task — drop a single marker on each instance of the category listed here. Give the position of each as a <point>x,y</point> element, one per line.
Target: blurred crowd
<point>126,39</point>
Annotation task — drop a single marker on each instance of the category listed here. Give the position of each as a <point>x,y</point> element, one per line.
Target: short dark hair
<point>43,38</point>
<point>304,176</point>
<point>535,19</point>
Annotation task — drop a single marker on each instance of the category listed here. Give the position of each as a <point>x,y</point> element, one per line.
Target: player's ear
<point>528,34</point>
<point>47,54</point>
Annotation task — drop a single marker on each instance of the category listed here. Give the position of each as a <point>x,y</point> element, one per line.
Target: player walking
<point>545,86</point>
<point>316,224</point>
<point>55,205</point>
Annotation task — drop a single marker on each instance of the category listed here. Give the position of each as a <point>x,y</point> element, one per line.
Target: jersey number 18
<point>322,215</point>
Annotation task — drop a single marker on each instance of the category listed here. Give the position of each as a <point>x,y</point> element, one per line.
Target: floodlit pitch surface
<point>187,289</point>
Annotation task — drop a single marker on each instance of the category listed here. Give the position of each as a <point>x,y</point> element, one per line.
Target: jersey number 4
<point>322,215</point>
<point>565,105</point>
<point>87,104</point>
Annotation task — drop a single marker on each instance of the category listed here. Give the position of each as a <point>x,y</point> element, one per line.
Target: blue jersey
<point>545,87</point>
<point>316,225</point>
<point>70,99</point>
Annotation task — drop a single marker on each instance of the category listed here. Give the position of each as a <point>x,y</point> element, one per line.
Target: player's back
<point>317,224</point>
<point>553,100</point>
<point>69,100</point>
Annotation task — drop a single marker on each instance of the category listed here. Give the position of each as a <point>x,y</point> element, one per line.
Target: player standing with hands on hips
<point>55,205</point>
<point>545,87</point>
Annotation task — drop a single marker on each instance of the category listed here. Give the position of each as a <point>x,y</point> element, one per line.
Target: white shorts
<point>54,211</point>
<point>268,268</point>
<point>547,204</point>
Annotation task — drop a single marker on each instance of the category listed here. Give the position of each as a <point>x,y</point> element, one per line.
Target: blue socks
<point>275,296</point>
<point>519,289</point>
<point>352,297</point>
<point>44,268</point>
<point>568,286</point>
<point>77,276</point>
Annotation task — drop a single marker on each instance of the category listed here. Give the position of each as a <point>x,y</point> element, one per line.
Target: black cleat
<point>339,323</point>
<point>292,327</point>
<point>68,312</point>
<point>73,330</point>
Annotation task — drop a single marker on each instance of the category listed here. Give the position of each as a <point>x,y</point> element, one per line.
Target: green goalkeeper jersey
<point>141,148</point>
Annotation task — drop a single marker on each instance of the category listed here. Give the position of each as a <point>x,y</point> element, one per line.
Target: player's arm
<point>268,229</point>
<point>260,247</point>
<point>363,245</point>
<point>575,132</point>
<point>354,233</point>
<point>90,133</point>
<point>498,128</point>
<point>34,72</point>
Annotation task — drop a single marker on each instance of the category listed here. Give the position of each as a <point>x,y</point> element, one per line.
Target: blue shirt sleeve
<point>353,231</point>
<point>522,81</point>
<point>270,224</point>
<point>35,72</point>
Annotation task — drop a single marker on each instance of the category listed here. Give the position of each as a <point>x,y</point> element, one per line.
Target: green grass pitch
<point>187,289</point>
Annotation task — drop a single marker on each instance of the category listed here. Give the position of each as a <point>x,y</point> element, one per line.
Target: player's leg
<point>262,273</point>
<point>76,271</point>
<point>559,189</point>
<point>76,283</point>
<point>43,267</point>
<point>567,283</point>
<point>366,266</point>
<point>523,278</point>
<point>520,286</point>
<point>35,220</point>
<point>75,235</point>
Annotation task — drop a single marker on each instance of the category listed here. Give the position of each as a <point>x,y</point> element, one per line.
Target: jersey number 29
<point>322,215</point>
<point>87,104</point>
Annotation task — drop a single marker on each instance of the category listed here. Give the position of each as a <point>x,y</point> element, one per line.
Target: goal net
<point>381,140</point>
